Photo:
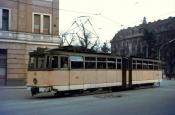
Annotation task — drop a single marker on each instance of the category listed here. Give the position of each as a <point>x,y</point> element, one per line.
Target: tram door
<point>3,66</point>
<point>130,72</point>
<point>126,72</point>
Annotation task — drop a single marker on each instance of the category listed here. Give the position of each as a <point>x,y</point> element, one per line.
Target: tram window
<point>134,64</point>
<point>90,62</point>
<point>139,64</point>
<point>156,65</point>
<point>119,60</point>
<point>90,65</point>
<point>76,65</point>
<point>150,65</point>
<point>40,62</point>
<point>47,62</point>
<point>111,60</point>
<point>54,62</point>
<point>111,65</point>
<point>32,62</point>
<point>133,61</point>
<point>101,59</point>
<point>145,65</point>
<point>90,59</point>
<point>76,62</point>
<point>159,65</point>
<point>101,65</point>
<point>64,62</point>
<point>119,65</point>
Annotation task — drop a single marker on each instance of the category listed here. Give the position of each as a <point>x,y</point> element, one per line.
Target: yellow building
<point>24,26</point>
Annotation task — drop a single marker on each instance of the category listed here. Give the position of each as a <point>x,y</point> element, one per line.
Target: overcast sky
<point>115,14</point>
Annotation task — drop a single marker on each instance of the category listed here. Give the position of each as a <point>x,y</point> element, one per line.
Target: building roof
<point>155,27</point>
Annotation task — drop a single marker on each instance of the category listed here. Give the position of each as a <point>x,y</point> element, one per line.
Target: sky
<point>110,16</point>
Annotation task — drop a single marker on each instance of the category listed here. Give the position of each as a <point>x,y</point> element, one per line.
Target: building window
<point>46,23</point>
<point>132,31</point>
<point>140,30</point>
<point>41,23</point>
<point>37,24</point>
<point>4,19</point>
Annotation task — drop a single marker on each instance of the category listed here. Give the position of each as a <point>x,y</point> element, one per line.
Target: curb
<point>13,87</point>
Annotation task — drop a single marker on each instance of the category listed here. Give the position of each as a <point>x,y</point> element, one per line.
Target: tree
<point>105,48</point>
<point>81,33</point>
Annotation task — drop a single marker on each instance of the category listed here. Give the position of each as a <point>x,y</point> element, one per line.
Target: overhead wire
<point>74,11</point>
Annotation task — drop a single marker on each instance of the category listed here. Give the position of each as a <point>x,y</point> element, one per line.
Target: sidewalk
<point>13,87</point>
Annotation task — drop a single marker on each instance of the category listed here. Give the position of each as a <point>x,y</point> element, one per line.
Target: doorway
<point>3,67</point>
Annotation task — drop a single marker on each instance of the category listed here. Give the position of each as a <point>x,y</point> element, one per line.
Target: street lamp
<point>162,47</point>
<point>165,45</point>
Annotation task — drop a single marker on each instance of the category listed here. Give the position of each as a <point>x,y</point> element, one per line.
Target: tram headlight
<point>35,81</point>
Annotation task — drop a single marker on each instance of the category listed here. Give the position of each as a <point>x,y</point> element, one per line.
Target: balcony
<point>28,37</point>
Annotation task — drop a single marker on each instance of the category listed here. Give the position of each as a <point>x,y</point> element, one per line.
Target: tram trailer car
<point>60,70</point>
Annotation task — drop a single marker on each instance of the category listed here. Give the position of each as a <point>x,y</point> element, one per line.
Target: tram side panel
<point>76,79</point>
<point>90,78</point>
<point>119,77</point>
<point>114,78</point>
<point>59,80</point>
<point>39,78</point>
<point>101,80</point>
<point>145,71</point>
<point>158,75</point>
<point>137,76</point>
<point>87,79</point>
<point>148,75</point>
<point>143,76</point>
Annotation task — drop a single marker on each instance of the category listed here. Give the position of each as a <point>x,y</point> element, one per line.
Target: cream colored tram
<point>61,70</point>
<point>145,71</point>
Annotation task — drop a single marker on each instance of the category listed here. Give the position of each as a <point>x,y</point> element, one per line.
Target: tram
<point>70,69</point>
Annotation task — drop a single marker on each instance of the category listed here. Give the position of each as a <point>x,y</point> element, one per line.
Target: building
<point>24,26</point>
<point>127,41</point>
<point>151,40</point>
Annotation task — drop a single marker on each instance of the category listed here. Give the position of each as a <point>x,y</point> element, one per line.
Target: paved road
<point>152,101</point>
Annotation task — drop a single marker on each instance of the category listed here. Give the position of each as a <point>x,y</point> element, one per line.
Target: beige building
<point>24,26</point>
